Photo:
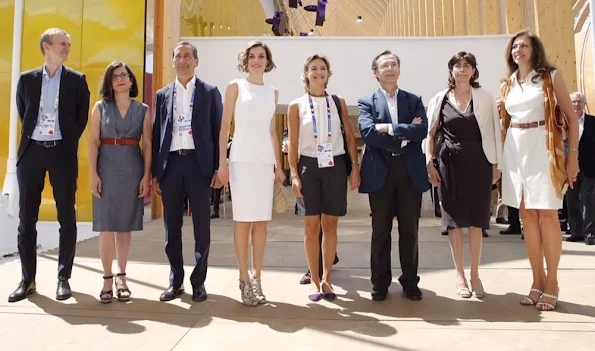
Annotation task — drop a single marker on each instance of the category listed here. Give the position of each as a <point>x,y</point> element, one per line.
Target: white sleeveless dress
<point>252,158</point>
<point>525,159</point>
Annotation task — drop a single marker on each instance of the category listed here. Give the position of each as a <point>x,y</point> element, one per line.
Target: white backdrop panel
<point>424,61</point>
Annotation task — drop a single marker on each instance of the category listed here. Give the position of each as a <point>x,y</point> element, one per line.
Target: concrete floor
<point>441,321</point>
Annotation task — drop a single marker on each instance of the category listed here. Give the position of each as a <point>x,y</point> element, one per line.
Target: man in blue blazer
<point>185,162</point>
<point>393,124</point>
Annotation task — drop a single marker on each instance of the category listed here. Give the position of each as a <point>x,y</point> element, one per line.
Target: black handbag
<point>346,155</point>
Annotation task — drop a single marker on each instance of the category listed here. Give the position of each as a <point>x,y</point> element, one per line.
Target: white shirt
<point>394,113</point>
<point>306,141</point>
<point>182,96</point>
<point>581,126</point>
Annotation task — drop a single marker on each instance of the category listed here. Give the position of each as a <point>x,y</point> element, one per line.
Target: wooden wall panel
<point>415,17</point>
<point>423,23</point>
<point>514,16</point>
<point>460,16</point>
<point>491,17</point>
<point>430,17</point>
<point>447,16</point>
<point>473,17</point>
<point>438,20</point>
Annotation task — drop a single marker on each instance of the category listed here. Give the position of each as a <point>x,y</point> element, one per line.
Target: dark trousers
<point>398,195</point>
<point>183,176</point>
<point>581,206</point>
<point>513,217</point>
<point>216,199</point>
<point>63,172</point>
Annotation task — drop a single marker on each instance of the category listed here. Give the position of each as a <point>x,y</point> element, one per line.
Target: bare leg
<point>534,248</point>
<point>329,247</point>
<point>241,238</point>
<point>552,248</point>
<point>123,240</point>
<point>259,240</point>
<point>312,246</point>
<point>455,238</point>
<point>475,242</point>
<point>107,249</point>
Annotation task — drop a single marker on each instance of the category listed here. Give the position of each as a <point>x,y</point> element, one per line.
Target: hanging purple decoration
<point>303,34</point>
<point>269,20</point>
<point>320,12</point>
<point>310,8</point>
<point>277,23</point>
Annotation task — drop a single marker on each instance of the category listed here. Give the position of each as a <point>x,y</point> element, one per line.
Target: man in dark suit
<point>580,199</point>
<point>53,104</point>
<point>185,162</point>
<point>393,124</point>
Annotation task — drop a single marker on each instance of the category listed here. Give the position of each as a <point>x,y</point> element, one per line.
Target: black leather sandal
<point>123,294</point>
<point>106,296</point>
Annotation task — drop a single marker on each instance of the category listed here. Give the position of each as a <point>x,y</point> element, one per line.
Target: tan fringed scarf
<point>556,124</point>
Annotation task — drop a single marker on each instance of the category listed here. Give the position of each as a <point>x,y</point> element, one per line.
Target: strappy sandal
<point>478,290</point>
<point>527,301</point>
<point>106,296</point>
<point>547,306</point>
<point>123,294</point>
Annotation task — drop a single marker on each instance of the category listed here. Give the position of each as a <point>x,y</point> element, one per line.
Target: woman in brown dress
<point>467,165</point>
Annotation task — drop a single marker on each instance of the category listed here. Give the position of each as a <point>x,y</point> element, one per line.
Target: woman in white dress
<point>320,133</point>
<point>535,170</point>
<point>254,162</point>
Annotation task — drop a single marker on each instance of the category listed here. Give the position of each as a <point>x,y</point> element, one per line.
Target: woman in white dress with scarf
<point>254,162</point>
<point>535,170</point>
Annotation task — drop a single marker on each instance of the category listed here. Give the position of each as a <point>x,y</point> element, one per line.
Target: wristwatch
<point>355,163</point>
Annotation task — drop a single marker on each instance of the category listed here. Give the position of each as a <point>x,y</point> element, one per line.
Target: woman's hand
<point>279,175</point>
<point>572,169</point>
<point>296,186</point>
<point>144,186</point>
<point>96,185</point>
<point>495,174</point>
<point>354,178</point>
<point>223,174</point>
<point>433,175</point>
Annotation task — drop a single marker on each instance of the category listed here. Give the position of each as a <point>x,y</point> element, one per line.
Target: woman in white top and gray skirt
<point>321,136</point>
<point>254,162</point>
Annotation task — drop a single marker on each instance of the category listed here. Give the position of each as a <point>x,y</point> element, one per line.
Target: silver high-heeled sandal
<point>527,301</point>
<point>248,297</point>
<point>463,291</point>
<point>478,291</point>
<point>257,290</point>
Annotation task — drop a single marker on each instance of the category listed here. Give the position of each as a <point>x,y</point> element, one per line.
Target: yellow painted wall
<point>6,24</point>
<point>101,31</point>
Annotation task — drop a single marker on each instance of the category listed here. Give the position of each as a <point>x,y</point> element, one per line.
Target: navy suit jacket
<point>373,109</point>
<point>206,124</point>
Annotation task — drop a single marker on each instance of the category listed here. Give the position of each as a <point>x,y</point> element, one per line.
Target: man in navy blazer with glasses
<point>393,124</point>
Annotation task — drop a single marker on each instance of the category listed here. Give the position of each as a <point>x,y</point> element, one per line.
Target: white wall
<point>424,61</point>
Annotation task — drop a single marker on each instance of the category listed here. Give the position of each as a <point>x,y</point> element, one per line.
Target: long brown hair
<point>539,61</point>
<point>458,57</point>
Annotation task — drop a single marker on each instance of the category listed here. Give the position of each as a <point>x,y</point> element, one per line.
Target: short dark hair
<point>458,57</point>
<point>106,91</point>
<point>243,56</point>
<point>185,43</point>
<point>309,60</point>
<point>385,52</point>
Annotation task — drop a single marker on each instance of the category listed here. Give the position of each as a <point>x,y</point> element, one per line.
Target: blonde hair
<point>243,56</point>
<point>309,60</point>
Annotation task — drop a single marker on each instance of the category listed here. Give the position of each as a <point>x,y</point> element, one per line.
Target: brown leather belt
<point>527,125</point>
<point>119,141</point>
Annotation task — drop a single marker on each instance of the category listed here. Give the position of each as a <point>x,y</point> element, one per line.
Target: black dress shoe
<point>575,238</point>
<point>63,291</point>
<point>379,295</point>
<point>511,230</point>
<point>215,215</point>
<point>199,294</point>
<point>501,220</point>
<point>23,290</point>
<point>306,279</point>
<point>484,233</point>
<point>171,293</point>
<point>412,293</point>
<point>590,240</point>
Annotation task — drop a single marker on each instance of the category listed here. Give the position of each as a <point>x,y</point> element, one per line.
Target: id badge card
<point>324,154</point>
<point>185,124</point>
<point>47,124</point>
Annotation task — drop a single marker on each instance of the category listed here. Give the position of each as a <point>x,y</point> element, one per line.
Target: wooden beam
<point>415,17</point>
<point>447,17</point>
<point>430,17</point>
<point>554,23</point>
<point>438,19</point>
<point>491,17</point>
<point>473,23</point>
<point>514,16</point>
<point>460,16</point>
<point>423,22</point>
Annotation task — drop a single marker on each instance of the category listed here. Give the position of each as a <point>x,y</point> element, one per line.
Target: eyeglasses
<point>122,76</point>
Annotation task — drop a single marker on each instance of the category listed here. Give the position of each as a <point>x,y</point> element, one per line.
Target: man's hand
<point>382,127</point>
<point>417,120</point>
<point>156,187</point>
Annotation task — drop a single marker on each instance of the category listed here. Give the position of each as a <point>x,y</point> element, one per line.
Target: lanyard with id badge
<point>184,121</point>
<point>324,152</point>
<point>46,123</point>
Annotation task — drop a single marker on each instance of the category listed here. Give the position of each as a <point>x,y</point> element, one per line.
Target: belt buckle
<point>116,141</point>
<point>49,143</point>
